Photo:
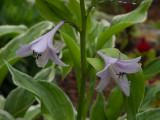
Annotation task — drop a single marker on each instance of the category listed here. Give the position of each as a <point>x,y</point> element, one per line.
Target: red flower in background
<point>151,81</point>
<point>143,46</point>
<point>128,8</point>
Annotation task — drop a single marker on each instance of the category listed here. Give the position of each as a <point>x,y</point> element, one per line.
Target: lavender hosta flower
<point>117,69</point>
<point>42,48</point>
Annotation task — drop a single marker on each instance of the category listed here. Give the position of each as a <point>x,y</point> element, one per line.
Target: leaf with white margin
<point>4,115</point>
<point>55,105</point>
<point>121,22</point>
<point>14,29</point>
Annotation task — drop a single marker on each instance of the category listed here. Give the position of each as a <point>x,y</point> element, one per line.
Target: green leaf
<point>74,7</point>
<point>47,74</point>
<point>111,42</point>
<point>149,96</point>
<point>8,29</point>
<point>57,10</point>
<point>95,29</point>
<point>54,10</point>
<point>5,115</point>
<point>132,102</point>
<point>66,58</point>
<point>150,115</point>
<point>20,119</point>
<point>18,101</point>
<point>152,68</point>
<point>115,104</point>
<point>33,113</point>
<point>121,22</point>
<point>73,49</point>
<point>68,29</point>
<point>2,102</point>
<point>123,117</point>
<point>93,1</point>
<point>46,11</point>
<point>92,33</point>
<point>22,98</point>
<point>55,104</point>
<point>98,109</point>
<point>7,53</point>
<point>97,63</point>
<point>91,24</point>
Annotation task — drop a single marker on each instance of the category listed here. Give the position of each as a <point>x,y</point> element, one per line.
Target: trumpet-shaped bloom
<point>42,48</point>
<point>117,69</point>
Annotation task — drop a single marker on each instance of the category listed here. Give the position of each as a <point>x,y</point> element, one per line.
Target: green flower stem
<point>83,62</point>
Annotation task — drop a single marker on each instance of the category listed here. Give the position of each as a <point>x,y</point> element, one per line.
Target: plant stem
<point>83,62</point>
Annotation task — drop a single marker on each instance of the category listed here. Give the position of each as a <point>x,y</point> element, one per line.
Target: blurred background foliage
<point>15,12</point>
<point>18,12</point>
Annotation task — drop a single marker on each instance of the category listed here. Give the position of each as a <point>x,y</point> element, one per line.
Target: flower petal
<point>50,45</point>
<point>54,30</point>
<point>36,40</point>
<point>102,72</point>
<point>56,59</point>
<point>127,67</point>
<point>43,59</point>
<point>104,80</point>
<point>24,51</point>
<point>50,34</point>
<point>120,80</point>
<point>107,60</point>
<point>124,85</point>
<point>131,61</point>
<point>42,63</point>
<point>40,46</point>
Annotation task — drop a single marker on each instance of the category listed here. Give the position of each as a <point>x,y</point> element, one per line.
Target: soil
<point>154,13</point>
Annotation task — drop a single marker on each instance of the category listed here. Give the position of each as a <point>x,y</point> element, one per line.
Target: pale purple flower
<point>117,69</point>
<point>42,48</point>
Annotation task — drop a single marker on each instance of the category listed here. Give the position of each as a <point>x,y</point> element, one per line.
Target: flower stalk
<point>83,61</point>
